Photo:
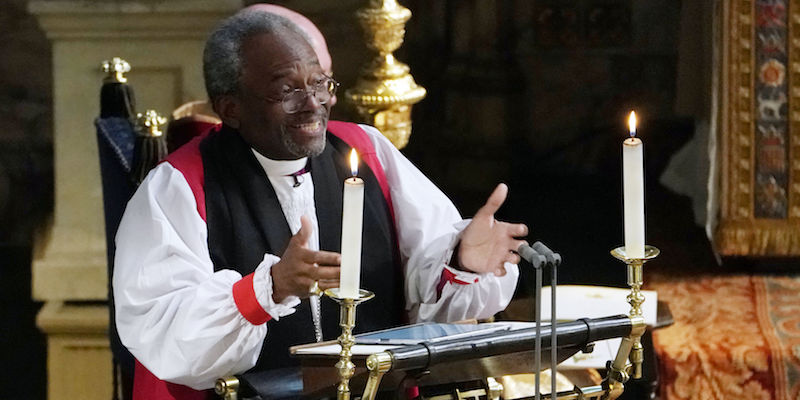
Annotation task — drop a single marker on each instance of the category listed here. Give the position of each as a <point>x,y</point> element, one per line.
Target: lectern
<point>432,363</point>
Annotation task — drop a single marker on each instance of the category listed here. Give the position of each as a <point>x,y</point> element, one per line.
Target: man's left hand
<point>486,243</point>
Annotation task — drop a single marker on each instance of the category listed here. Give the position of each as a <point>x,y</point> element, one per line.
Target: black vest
<point>245,221</point>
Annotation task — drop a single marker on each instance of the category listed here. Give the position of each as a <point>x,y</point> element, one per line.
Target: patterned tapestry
<point>758,154</point>
<point>734,337</point>
<point>771,92</point>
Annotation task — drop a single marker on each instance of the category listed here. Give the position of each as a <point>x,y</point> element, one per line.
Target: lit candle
<point>352,220</point>
<point>633,190</point>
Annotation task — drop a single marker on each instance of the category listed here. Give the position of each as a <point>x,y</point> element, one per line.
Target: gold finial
<point>116,68</point>
<point>150,123</point>
<point>385,90</point>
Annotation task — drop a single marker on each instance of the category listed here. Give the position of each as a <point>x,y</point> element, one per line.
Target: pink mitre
<point>317,40</point>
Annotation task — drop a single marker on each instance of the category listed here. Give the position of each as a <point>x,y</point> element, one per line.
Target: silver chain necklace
<point>316,316</point>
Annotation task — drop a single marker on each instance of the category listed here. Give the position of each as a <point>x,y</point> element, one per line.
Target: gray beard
<point>312,150</point>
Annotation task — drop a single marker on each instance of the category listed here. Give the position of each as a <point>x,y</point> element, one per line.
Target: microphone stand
<point>539,255</point>
<point>537,318</point>
<point>553,260</point>
<point>554,338</point>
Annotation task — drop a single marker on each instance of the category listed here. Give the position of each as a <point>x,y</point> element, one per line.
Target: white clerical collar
<point>280,167</point>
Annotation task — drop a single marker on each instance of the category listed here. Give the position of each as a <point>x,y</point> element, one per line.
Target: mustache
<point>308,117</point>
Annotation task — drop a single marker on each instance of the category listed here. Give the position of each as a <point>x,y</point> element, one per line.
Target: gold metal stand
<point>385,90</point>
<point>377,365</point>
<point>227,387</point>
<point>347,320</point>
<point>619,370</point>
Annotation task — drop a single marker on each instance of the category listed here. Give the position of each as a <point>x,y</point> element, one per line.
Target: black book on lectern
<point>487,351</point>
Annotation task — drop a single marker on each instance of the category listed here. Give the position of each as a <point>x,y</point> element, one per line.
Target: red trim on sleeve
<point>449,276</point>
<point>353,135</point>
<point>147,386</point>
<point>188,160</point>
<point>245,298</point>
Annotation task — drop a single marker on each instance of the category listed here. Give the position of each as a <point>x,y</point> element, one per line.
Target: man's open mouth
<point>308,127</point>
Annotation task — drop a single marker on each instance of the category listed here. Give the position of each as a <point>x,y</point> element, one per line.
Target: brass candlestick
<point>633,343</point>
<point>347,320</point>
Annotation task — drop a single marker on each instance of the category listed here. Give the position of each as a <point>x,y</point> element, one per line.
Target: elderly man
<point>219,246</point>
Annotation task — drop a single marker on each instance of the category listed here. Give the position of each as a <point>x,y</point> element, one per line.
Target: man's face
<point>273,65</point>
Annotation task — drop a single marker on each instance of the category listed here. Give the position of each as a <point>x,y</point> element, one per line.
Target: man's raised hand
<point>299,267</point>
<point>486,243</point>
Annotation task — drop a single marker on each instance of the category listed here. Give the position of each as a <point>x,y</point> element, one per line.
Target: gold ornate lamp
<point>385,90</point>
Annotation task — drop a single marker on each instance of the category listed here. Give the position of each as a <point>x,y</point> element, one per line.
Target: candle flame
<point>354,162</point>
<point>632,124</point>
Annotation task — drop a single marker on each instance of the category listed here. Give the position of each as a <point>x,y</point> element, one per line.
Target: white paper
<point>604,350</point>
<point>579,301</point>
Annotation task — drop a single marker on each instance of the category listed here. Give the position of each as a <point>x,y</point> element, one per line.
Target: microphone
<point>551,257</point>
<point>532,256</point>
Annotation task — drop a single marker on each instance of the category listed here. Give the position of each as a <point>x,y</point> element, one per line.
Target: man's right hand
<point>299,267</point>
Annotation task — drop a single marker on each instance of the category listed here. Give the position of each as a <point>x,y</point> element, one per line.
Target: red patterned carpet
<point>734,337</point>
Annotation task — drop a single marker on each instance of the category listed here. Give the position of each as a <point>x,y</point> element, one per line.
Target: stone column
<point>163,41</point>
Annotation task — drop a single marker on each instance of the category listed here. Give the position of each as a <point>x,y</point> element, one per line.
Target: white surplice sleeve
<point>428,229</point>
<point>174,313</point>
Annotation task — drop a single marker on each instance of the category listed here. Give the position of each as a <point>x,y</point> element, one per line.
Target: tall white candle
<point>633,190</point>
<point>352,221</point>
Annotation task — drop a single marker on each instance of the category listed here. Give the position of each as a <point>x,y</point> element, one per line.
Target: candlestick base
<point>347,320</point>
<point>650,252</point>
<point>632,345</point>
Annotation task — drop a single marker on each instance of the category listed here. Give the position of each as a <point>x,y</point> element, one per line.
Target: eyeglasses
<point>323,91</point>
